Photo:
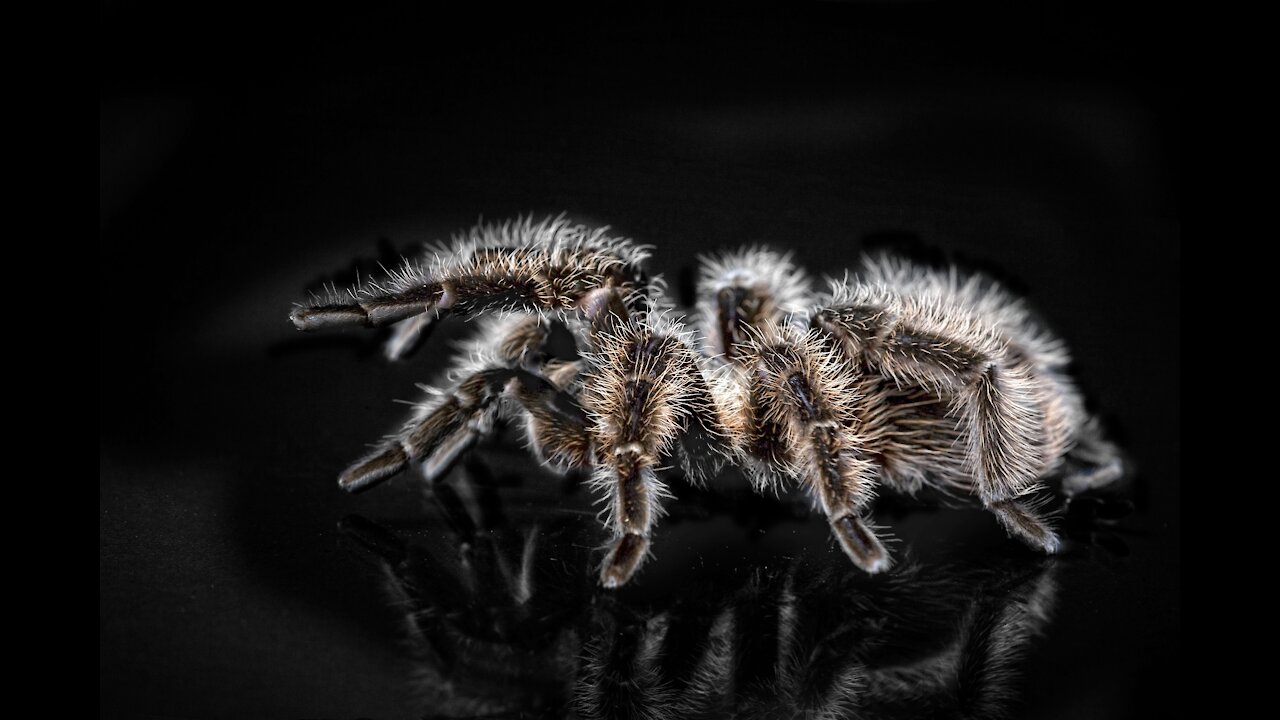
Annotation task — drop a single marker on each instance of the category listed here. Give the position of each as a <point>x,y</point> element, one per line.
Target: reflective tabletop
<point>236,578</point>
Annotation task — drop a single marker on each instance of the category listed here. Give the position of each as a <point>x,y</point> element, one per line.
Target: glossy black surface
<point>247,163</point>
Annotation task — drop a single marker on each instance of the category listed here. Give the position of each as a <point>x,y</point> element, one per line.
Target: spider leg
<point>843,481</point>
<point>1098,461</point>
<point>446,426</point>
<point>548,266</point>
<point>738,291</point>
<point>545,390</point>
<point>1021,517</point>
<point>993,389</point>
<point>807,392</point>
<point>642,390</point>
<point>443,429</point>
<point>633,495</point>
<point>451,422</point>
<point>406,335</point>
<point>555,424</point>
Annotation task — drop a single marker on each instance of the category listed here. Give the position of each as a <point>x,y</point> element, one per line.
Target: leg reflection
<point>518,629</point>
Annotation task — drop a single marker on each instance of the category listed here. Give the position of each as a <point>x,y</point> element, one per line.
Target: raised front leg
<point>548,266</point>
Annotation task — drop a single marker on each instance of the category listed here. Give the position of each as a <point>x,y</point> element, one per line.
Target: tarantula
<point>902,375</point>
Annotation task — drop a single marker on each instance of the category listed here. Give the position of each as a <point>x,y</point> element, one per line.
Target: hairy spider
<point>900,375</point>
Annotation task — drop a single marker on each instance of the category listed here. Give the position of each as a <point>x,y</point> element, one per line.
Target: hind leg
<point>1095,462</point>
<point>1022,518</point>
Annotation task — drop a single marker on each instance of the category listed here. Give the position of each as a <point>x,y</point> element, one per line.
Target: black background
<point>247,154</point>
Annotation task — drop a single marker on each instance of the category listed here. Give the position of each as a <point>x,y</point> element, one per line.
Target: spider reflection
<point>505,621</point>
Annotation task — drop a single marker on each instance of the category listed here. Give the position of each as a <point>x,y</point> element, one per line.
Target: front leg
<point>548,266</point>
<point>505,357</point>
<point>639,395</point>
<point>633,510</point>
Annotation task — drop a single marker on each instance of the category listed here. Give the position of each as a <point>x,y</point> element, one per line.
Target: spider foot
<point>373,469</point>
<point>1093,478</point>
<point>624,558</point>
<point>1021,520</point>
<point>860,543</point>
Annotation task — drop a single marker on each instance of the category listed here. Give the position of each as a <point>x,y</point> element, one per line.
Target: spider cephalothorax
<point>901,376</point>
